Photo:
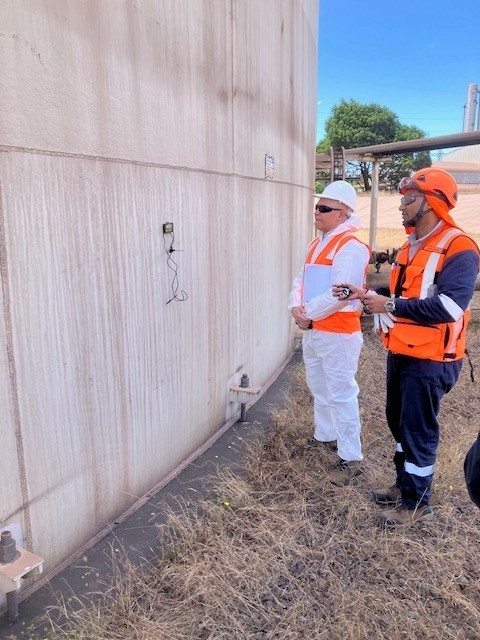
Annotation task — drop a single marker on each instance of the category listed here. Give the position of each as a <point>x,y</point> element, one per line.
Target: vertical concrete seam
<point>13,375</point>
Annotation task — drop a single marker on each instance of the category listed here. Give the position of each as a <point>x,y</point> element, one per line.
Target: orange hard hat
<point>439,187</point>
<point>434,182</point>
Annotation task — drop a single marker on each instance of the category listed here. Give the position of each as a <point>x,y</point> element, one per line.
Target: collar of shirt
<point>415,242</point>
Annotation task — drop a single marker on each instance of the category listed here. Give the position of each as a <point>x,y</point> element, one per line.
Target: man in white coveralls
<point>332,337</point>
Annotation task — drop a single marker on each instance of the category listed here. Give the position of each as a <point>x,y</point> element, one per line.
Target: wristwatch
<point>390,306</point>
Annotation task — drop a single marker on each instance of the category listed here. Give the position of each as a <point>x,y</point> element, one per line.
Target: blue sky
<point>416,58</point>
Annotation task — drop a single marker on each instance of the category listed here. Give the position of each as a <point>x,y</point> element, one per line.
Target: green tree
<point>353,124</point>
<point>406,163</point>
<point>323,146</point>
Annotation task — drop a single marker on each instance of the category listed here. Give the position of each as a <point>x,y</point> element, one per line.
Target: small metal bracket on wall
<point>243,393</point>
<point>15,563</point>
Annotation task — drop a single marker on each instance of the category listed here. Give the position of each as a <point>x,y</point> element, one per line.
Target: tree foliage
<point>358,125</point>
<point>406,163</point>
<point>353,124</point>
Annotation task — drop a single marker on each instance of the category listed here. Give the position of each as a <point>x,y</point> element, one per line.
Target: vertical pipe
<point>373,206</point>
<point>470,108</point>
<point>12,607</point>
<point>478,113</point>
<point>243,412</point>
<point>244,384</point>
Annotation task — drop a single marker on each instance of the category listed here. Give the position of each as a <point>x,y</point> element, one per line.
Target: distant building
<point>464,165</point>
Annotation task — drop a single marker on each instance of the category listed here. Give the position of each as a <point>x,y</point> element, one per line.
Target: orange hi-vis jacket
<point>341,321</point>
<point>416,278</point>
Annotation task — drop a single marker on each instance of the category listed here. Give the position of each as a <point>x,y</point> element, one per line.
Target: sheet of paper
<point>316,280</point>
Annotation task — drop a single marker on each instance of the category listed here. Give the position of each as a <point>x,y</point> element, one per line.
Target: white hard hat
<point>341,191</point>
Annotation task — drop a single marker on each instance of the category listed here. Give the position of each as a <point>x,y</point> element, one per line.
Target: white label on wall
<point>269,167</point>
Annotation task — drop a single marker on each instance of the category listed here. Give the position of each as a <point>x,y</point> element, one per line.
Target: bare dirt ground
<point>466,213</point>
<point>280,553</point>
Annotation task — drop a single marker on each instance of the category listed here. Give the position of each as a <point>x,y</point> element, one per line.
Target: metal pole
<point>373,206</point>
<point>244,384</point>
<point>12,607</point>
<point>243,412</point>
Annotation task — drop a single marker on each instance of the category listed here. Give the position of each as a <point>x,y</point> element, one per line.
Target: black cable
<point>171,264</point>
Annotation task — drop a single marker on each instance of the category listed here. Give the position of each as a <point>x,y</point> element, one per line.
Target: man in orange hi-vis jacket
<point>332,338</point>
<point>426,310</point>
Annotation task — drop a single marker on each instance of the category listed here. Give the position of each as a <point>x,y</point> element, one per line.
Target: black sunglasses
<point>324,209</point>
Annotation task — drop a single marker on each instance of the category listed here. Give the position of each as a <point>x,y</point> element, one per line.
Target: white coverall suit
<point>331,358</point>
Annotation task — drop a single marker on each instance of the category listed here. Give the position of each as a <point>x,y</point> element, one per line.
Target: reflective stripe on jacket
<point>417,278</point>
<point>341,321</point>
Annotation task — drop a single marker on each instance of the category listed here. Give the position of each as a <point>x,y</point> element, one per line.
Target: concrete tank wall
<point>116,117</point>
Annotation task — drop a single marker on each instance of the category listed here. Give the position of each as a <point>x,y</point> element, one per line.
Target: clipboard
<point>316,280</point>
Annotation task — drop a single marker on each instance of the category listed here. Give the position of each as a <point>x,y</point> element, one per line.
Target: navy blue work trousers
<point>415,388</point>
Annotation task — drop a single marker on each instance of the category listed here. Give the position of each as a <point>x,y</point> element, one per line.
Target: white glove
<point>383,322</point>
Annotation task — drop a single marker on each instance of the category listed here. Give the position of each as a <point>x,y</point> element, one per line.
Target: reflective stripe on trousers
<point>415,388</point>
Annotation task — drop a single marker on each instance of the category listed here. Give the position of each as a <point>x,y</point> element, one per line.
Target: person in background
<point>472,471</point>
<point>332,338</point>
<point>424,317</point>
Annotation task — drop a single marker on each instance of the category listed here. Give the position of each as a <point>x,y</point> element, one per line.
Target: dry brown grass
<point>393,238</point>
<point>281,553</point>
